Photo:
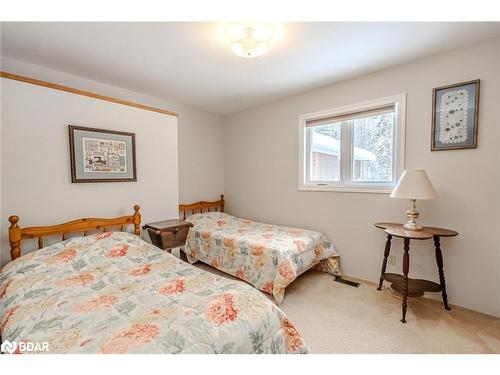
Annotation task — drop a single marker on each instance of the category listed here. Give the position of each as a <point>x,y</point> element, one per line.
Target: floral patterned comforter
<point>267,256</point>
<point>115,293</point>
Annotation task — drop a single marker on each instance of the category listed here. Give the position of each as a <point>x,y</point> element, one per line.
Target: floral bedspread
<point>267,256</point>
<point>115,293</point>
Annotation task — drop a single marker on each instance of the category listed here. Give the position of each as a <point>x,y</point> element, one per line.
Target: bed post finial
<point>14,237</point>
<point>137,220</point>
<point>222,202</point>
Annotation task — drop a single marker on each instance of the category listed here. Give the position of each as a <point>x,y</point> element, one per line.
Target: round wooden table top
<point>397,230</point>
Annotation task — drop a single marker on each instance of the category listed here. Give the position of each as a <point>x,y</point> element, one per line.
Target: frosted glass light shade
<point>414,184</point>
<point>251,39</point>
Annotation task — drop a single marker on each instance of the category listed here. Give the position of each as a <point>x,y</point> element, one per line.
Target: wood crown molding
<point>89,94</point>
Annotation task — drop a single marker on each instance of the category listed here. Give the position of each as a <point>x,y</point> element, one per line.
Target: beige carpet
<point>337,318</point>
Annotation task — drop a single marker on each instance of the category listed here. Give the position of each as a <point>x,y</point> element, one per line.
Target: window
<point>353,148</point>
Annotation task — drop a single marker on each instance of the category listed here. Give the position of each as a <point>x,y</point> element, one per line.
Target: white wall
<point>2,229</point>
<point>201,147</point>
<point>36,179</point>
<point>200,139</point>
<point>259,182</point>
<point>201,156</point>
<point>261,176</point>
<point>1,211</point>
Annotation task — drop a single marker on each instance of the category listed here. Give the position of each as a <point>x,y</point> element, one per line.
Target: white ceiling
<point>188,63</point>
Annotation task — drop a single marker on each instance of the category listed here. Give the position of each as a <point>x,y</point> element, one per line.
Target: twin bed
<point>270,257</point>
<point>112,292</point>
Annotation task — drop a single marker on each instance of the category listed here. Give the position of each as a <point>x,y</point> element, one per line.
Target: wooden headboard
<point>17,234</point>
<point>192,208</point>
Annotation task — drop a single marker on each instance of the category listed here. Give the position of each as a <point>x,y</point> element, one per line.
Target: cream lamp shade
<point>414,184</point>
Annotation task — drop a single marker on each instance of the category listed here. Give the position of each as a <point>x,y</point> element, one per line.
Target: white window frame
<point>345,184</point>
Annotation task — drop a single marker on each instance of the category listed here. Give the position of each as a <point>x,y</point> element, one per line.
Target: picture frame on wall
<point>100,155</point>
<point>455,116</point>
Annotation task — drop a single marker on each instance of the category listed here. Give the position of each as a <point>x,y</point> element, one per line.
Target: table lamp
<point>413,185</point>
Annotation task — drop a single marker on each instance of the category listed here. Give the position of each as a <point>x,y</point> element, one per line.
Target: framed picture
<point>99,155</point>
<point>455,111</point>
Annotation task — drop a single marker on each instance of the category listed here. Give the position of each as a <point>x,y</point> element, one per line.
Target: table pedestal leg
<point>439,261</point>
<point>406,268</point>
<point>384,263</point>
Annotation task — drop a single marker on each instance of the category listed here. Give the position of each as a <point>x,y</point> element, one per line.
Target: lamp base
<point>413,215</point>
<point>413,226</point>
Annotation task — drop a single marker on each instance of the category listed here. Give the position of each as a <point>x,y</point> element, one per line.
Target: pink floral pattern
<point>3,288</point>
<point>141,270</point>
<point>95,303</point>
<point>119,294</point>
<point>240,274</point>
<point>136,335</point>
<point>103,236</point>
<point>66,255</point>
<point>257,250</point>
<point>293,340</point>
<point>173,287</point>
<point>287,271</point>
<point>85,342</point>
<point>6,317</point>
<point>317,250</point>
<point>301,245</point>
<point>222,310</point>
<point>81,279</point>
<point>268,287</point>
<point>268,256</point>
<point>117,251</point>
<point>229,242</point>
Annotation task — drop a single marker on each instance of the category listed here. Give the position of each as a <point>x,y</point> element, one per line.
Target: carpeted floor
<point>337,318</point>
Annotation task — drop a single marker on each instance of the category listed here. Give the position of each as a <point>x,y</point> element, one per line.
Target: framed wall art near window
<point>455,112</point>
<point>99,155</point>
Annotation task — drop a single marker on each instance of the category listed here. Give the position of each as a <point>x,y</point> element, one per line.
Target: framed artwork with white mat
<point>455,113</point>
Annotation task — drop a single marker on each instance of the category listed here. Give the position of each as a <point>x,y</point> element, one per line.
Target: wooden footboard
<point>198,207</point>
<point>17,234</point>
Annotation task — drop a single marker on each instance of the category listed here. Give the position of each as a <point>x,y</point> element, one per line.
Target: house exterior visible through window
<point>353,148</point>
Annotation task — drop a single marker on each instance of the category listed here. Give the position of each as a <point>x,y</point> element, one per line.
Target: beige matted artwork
<point>99,155</point>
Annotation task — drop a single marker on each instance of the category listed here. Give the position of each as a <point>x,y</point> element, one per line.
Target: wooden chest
<point>168,234</point>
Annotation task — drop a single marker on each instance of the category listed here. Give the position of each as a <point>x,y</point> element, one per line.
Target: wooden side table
<point>168,234</point>
<point>402,283</point>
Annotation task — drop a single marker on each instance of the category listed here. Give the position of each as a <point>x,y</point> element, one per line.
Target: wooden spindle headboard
<point>17,234</point>
<point>197,207</point>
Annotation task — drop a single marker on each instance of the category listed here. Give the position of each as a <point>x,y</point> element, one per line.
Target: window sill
<point>348,189</point>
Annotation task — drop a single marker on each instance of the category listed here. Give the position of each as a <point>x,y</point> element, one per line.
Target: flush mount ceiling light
<point>251,39</point>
